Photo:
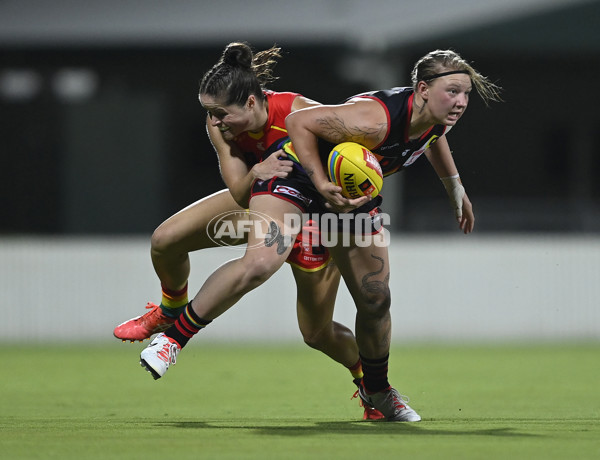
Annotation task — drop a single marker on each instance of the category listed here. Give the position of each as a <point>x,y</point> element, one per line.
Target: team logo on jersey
<point>432,141</point>
<point>419,152</point>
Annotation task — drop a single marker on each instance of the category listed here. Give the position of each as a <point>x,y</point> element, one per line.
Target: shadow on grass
<point>353,428</point>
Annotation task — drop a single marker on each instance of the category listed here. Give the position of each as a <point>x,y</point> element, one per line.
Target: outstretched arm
<point>440,157</point>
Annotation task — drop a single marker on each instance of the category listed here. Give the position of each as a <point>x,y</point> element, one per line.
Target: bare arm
<point>440,157</point>
<point>363,121</point>
<point>302,102</point>
<point>235,171</point>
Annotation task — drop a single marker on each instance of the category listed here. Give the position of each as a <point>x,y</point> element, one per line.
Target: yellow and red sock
<point>173,302</point>
<point>356,370</point>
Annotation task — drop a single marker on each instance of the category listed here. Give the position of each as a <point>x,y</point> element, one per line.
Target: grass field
<point>289,402</point>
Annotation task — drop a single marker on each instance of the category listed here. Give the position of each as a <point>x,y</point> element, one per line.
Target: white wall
<point>444,289</point>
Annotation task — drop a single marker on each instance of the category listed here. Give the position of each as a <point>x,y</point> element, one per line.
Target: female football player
<point>243,121</point>
<point>399,125</point>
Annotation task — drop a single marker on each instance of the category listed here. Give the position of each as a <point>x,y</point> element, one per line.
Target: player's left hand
<point>466,221</point>
<point>463,209</point>
<point>275,165</point>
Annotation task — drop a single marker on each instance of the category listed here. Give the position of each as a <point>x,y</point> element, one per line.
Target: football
<point>355,169</point>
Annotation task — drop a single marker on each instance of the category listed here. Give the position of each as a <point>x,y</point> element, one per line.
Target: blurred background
<point>102,138</point>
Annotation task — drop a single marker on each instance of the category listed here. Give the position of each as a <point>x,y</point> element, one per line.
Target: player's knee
<point>257,271</point>
<point>376,304</point>
<point>314,338</point>
<point>163,239</point>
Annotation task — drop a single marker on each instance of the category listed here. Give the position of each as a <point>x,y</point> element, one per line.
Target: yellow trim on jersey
<point>255,136</point>
<point>311,270</point>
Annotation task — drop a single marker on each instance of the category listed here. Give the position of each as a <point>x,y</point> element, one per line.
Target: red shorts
<point>307,257</point>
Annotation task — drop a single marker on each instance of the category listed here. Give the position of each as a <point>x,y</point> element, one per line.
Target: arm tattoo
<point>275,236</point>
<point>335,130</point>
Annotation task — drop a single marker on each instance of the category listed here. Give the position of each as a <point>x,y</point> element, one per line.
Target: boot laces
<point>399,401</point>
<point>169,352</point>
<point>149,317</point>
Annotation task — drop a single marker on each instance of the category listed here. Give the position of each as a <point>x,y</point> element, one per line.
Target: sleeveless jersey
<point>254,145</point>
<point>397,151</point>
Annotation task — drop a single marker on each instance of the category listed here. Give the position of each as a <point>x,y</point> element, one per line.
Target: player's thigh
<point>317,291</point>
<point>365,268</point>
<point>275,225</point>
<point>270,239</point>
<point>188,230</point>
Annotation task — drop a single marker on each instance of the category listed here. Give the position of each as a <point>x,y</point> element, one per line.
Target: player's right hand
<point>336,201</point>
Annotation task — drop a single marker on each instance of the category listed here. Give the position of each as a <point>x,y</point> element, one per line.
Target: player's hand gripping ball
<point>355,169</point>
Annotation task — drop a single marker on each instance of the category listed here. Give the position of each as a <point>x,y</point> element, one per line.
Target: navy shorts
<point>299,190</point>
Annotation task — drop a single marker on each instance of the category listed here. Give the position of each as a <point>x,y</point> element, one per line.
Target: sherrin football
<point>355,169</point>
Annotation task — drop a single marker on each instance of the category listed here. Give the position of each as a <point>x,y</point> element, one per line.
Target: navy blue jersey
<point>397,151</point>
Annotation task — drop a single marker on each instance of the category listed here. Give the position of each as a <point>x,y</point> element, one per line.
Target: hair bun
<point>238,55</point>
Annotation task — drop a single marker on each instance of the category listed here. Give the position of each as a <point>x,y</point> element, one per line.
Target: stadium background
<point>102,138</point>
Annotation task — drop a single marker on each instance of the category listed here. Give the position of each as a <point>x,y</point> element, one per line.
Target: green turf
<point>285,402</point>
